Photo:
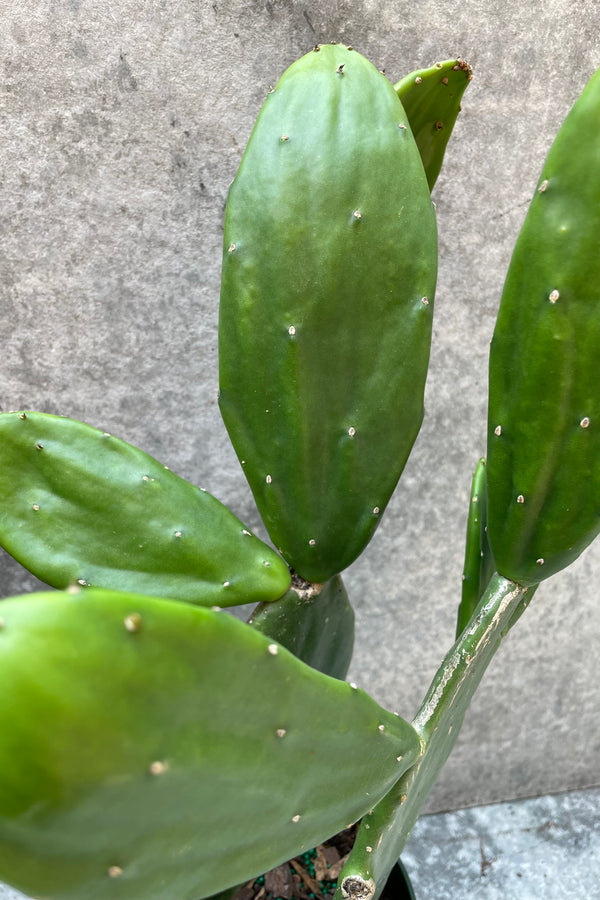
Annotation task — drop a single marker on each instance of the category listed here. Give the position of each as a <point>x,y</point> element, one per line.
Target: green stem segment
<point>384,831</point>
<point>479,563</point>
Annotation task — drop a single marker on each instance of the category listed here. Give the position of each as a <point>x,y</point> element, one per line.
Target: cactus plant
<point>153,745</point>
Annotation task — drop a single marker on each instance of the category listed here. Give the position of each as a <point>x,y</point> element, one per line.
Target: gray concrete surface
<point>545,847</point>
<point>122,124</point>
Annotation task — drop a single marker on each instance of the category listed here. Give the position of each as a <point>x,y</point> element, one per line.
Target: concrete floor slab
<point>548,847</point>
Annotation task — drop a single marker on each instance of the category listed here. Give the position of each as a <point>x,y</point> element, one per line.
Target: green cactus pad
<point>153,749</point>
<point>544,402</point>
<point>431,98</point>
<point>81,506</point>
<point>329,271</point>
<point>314,622</point>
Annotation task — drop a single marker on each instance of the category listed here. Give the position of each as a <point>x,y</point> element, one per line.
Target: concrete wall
<point>122,124</point>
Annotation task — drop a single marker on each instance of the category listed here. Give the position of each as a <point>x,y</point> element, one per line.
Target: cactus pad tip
<point>462,65</point>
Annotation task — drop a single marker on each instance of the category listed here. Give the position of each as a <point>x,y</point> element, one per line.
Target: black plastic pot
<point>398,886</point>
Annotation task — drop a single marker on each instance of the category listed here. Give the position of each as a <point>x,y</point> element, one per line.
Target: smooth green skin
<point>545,365</point>
<point>431,98</point>
<point>111,516</point>
<point>387,828</point>
<point>317,627</point>
<point>316,624</point>
<point>323,418</point>
<point>88,706</point>
<point>479,563</point>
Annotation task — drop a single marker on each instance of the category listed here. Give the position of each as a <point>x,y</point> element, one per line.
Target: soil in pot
<point>313,875</point>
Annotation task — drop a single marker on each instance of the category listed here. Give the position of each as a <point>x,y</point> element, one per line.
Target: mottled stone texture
<point>546,847</point>
<point>122,124</point>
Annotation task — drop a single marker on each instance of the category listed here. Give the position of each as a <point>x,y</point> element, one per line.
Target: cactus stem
<point>306,590</point>
<point>355,887</point>
<point>438,722</point>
